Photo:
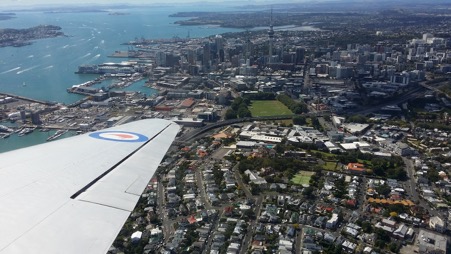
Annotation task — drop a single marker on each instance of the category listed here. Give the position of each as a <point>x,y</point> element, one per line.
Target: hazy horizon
<point>21,3</point>
<point>12,4</point>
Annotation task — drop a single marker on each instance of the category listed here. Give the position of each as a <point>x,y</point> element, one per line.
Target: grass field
<point>330,165</point>
<point>268,108</point>
<point>302,178</point>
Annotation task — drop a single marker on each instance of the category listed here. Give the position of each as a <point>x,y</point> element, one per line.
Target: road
<point>400,99</point>
<point>240,182</point>
<point>434,88</point>
<point>200,187</point>
<point>161,211</point>
<point>250,229</point>
<point>411,184</point>
<point>300,240</point>
<point>213,229</point>
<point>412,187</point>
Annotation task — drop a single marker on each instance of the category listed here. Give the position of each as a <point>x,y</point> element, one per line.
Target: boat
<point>25,131</point>
<point>5,135</point>
<point>57,134</point>
<point>4,128</point>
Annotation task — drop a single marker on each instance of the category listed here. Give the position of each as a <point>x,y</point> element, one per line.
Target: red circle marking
<point>123,135</point>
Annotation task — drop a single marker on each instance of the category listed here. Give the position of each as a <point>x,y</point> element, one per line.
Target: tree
<point>357,119</point>
<point>367,227</point>
<point>316,123</point>
<point>383,189</point>
<point>243,111</point>
<point>393,247</point>
<point>236,103</point>
<point>299,120</point>
<point>249,213</point>
<point>230,114</point>
<point>308,192</point>
<point>295,107</point>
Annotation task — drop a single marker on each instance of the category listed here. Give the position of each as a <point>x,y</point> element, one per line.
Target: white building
<point>332,222</point>
<point>437,224</point>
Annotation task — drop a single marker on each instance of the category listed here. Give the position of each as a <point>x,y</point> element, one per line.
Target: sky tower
<point>271,36</point>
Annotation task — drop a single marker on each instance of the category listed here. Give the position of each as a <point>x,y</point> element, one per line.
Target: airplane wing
<point>74,195</point>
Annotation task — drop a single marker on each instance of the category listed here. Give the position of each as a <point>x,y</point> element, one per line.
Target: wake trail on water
<point>48,67</point>
<point>85,56</point>
<point>8,71</point>
<point>95,57</point>
<point>81,57</point>
<point>27,69</point>
<point>47,56</point>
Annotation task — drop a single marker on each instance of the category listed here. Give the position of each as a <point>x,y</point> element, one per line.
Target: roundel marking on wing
<point>119,136</point>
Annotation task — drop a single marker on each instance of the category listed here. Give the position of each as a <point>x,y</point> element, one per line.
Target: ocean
<point>45,69</point>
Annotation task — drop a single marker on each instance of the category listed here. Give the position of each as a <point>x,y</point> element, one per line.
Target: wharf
<point>52,127</point>
<point>130,54</point>
<point>27,99</point>
<point>77,103</point>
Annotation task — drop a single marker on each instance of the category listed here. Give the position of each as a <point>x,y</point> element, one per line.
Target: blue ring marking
<point>141,138</point>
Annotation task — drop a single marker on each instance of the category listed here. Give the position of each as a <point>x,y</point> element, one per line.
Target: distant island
<point>118,13</point>
<point>6,16</point>
<point>23,37</point>
<point>73,11</point>
<point>213,18</point>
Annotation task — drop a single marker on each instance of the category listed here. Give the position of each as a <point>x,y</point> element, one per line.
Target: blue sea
<point>45,69</point>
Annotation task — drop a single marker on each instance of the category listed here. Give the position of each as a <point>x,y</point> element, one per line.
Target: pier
<point>77,103</point>
<point>51,127</point>
<point>27,99</point>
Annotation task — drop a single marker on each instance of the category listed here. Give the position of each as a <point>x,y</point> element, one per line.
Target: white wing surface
<point>74,195</point>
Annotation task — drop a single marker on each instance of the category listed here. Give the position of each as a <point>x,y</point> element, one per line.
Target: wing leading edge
<point>74,195</point>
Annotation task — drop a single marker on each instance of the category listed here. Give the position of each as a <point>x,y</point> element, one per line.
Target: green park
<point>268,108</point>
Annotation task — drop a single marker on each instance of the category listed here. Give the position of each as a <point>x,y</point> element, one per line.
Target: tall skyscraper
<point>271,37</point>
<point>300,54</point>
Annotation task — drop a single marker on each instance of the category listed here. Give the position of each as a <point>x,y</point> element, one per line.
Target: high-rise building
<point>206,56</point>
<point>160,58</point>
<point>219,41</point>
<point>271,37</point>
<point>300,55</point>
<point>35,118</point>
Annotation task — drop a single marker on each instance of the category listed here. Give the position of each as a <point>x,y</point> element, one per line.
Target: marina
<point>120,80</point>
<point>12,141</point>
<point>110,68</point>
